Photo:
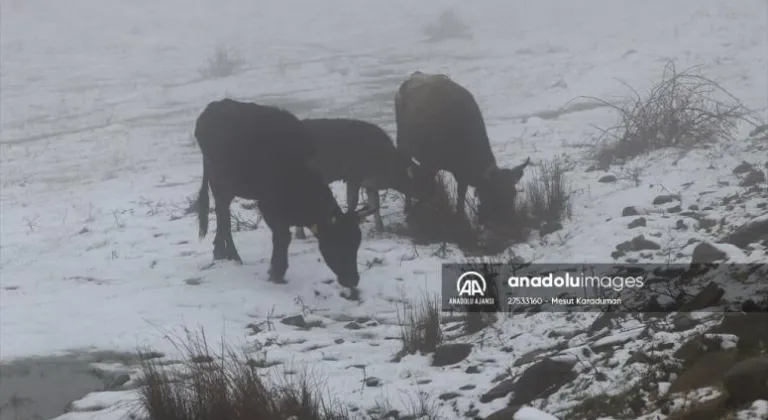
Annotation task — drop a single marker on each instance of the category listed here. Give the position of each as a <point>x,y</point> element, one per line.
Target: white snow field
<point>99,100</point>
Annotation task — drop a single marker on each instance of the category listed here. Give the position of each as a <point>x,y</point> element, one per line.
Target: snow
<point>98,103</point>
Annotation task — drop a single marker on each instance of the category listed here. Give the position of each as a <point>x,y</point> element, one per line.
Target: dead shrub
<point>682,110</point>
<point>420,326</point>
<point>435,220</point>
<point>548,194</point>
<point>223,63</point>
<point>226,385</point>
<point>447,26</point>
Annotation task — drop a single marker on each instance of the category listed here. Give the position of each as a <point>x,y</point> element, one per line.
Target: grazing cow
<point>440,124</point>
<point>362,155</point>
<point>250,151</point>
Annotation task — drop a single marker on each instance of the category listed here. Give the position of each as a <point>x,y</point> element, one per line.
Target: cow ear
<point>313,228</point>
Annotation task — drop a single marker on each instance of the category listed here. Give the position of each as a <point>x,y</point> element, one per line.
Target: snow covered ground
<point>98,104</point>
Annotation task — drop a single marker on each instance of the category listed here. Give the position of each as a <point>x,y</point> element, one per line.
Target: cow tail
<point>203,203</point>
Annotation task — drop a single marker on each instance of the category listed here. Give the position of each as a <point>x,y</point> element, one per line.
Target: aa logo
<point>471,284</point>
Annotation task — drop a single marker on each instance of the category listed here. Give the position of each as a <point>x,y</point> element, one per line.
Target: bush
<point>547,195</point>
<point>682,110</point>
<point>435,220</point>
<point>420,326</point>
<point>223,63</point>
<point>226,386</point>
<point>448,26</point>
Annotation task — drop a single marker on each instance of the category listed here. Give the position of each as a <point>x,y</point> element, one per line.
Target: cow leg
<point>278,265</point>
<point>461,198</point>
<point>375,202</point>
<point>353,194</point>
<point>299,233</point>
<point>223,246</point>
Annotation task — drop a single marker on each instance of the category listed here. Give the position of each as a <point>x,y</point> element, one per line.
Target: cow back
<point>349,149</point>
<point>441,125</point>
<point>248,146</point>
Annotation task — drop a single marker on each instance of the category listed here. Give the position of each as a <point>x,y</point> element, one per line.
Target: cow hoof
<point>277,279</point>
<point>350,294</point>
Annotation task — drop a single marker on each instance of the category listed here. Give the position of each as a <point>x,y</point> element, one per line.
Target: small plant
<point>223,63</point>
<point>448,26</point>
<point>682,110</point>
<point>420,326</point>
<point>548,193</point>
<point>226,385</point>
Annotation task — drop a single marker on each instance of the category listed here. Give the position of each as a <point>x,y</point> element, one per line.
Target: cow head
<point>339,240</point>
<point>497,191</point>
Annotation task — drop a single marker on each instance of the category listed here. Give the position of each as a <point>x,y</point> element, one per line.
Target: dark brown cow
<point>440,124</point>
<point>260,153</point>
<point>362,155</point>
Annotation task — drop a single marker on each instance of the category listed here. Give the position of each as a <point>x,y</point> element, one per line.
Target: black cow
<point>440,124</point>
<point>250,151</point>
<point>362,155</point>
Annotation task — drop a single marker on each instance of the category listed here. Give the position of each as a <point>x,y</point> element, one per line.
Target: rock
<point>499,391</point>
<point>542,380</point>
<point>538,381</point>
<point>706,371</point>
<point>664,199</point>
<point>758,130</point>
<point>607,178</point>
<point>639,222</point>
<point>467,387</point>
<point>295,321</point>
<point>530,357</point>
<point>550,227</point>
<point>706,223</point>
<point>372,381</point>
<point>747,381</point>
<point>751,232</point>
<point>751,328</point>
<point>450,354</point>
<point>707,253</point>
<point>339,341</point>
<point>742,168</point>
<point>118,382</point>
<point>711,409</point>
<point>696,348</point>
<point>693,207</point>
<point>630,211</point>
<point>639,243</point>
<point>473,369</point>
<point>753,178</point>
<point>680,225</point>
<point>449,396</point>
<point>709,296</point>
<point>353,326</point>
<point>506,413</point>
<point>675,209</point>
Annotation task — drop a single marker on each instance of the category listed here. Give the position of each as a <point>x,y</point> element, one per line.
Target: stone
<point>705,253</point>
<point>450,354</point>
<point>747,381</point>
